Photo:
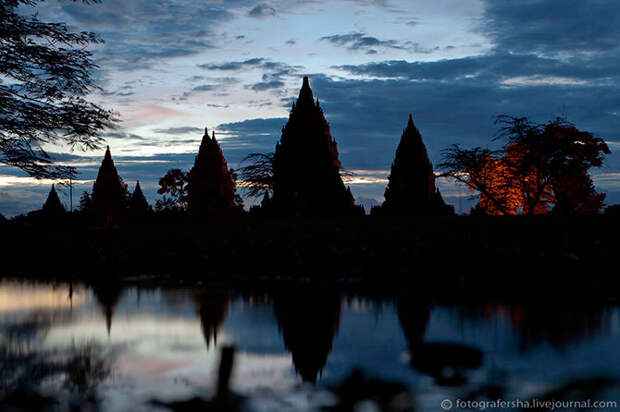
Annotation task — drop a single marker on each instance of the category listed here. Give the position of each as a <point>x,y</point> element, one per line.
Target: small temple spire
<point>305,94</point>
<point>52,205</point>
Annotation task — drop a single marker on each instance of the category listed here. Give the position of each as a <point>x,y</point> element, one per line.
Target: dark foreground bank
<point>503,254</point>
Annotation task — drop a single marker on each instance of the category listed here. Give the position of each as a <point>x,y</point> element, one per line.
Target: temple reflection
<point>308,320</point>
<point>108,295</point>
<point>212,307</point>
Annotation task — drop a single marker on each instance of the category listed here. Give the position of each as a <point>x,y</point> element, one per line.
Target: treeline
<point>542,168</point>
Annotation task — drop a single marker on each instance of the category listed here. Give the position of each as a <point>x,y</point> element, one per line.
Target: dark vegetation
<point>199,229</point>
<point>307,223</point>
<point>46,74</point>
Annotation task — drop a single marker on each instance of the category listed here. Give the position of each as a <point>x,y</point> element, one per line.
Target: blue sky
<point>171,68</point>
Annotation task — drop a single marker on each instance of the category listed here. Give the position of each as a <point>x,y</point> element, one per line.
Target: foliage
<point>257,177</point>
<point>540,166</point>
<point>45,72</point>
<point>173,187</point>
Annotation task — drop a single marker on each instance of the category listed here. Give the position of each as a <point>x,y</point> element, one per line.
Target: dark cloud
<point>138,33</point>
<point>290,42</point>
<point>357,41</point>
<point>273,84</point>
<point>552,27</point>
<point>361,41</point>
<point>273,75</point>
<point>262,10</point>
<point>179,130</point>
<point>233,66</point>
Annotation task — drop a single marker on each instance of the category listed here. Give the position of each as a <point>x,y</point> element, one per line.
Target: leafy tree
<point>541,166</point>
<point>45,73</point>
<point>411,188</point>
<point>306,169</point>
<point>257,177</point>
<point>173,187</point>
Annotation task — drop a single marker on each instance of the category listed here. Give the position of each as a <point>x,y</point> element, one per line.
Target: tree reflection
<point>446,362</point>
<point>557,326</point>
<point>308,320</point>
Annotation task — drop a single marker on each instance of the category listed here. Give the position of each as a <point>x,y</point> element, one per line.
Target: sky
<point>170,68</point>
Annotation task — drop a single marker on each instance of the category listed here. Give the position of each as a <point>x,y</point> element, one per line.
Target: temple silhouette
<point>210,184</point>
<point>108,295</point>
<point>306,168</point>
<point>411,188</point>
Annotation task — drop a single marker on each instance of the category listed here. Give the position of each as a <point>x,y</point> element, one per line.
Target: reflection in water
<point>557,326</point>
<point>161,352</point>
<point>446,362</point>
<point>212,306</point>
<point>108,296</point>
<point>308,320</point>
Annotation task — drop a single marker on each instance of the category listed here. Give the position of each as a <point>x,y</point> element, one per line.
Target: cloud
<point>356,41</point>
<point>233,66</point>
<point>139,33</point>
<point>361,41</point>
<point>179,130</point>
<point>273,84</point>
<point>262,10</point>
<point>553,28</point>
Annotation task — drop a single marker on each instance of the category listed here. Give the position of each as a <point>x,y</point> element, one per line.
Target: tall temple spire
<point>305,94</point>
<point>306,168</point>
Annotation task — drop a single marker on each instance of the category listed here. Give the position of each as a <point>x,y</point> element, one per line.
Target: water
<point>164,343</point>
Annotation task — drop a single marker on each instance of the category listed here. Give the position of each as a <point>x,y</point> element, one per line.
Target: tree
<point>411,187</point>
<point>173,187</point>
<point>540,166</point>
<point>86,203</point>
<point>306,169</point>
<point>210,184</point>
<point>45,73</point>
<point>257,177</point>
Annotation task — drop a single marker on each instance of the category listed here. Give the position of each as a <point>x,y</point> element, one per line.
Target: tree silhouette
<point>540,166</point>
<point>53,206</point>
<point>306,169</point>
<point>411,188</point>
<point>46,72</point>
<point>173,187</point>
<point>210,184</point>
<point>110,194</point>
<point>257,177</point>
<point>139,208</point>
